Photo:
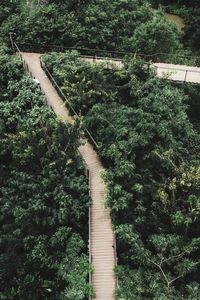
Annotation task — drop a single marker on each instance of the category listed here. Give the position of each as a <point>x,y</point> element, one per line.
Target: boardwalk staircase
<point>102,243</point>
<point>101,240</point>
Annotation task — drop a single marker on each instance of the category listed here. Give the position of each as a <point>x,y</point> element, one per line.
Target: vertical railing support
<point>186,71</point>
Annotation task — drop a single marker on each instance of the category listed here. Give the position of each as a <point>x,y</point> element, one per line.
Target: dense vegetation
<point>147,130</point>
<point>151,152</point>
<point>130,25</point>
<point>43,196</point>
<point>190,12</point>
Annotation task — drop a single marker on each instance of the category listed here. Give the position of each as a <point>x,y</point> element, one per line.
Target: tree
<point>43,197</point>
<point>107,25</point>
<point>151,152</point>
<point>155,36</point>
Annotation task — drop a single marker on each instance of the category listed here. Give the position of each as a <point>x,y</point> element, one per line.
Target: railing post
<point>186,71</point>
<point>63,95</point>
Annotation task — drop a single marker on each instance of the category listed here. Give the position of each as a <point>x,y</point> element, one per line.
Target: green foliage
<point>192,92</point>
<point>8,7</point>
<point>145,139</point>
<point>43,196</point>
<point>155,36</point>
<point>193,3</point>
<point>111,25</point>
<point>192,32</point>
<point>151,152</point>
<point>81,82</point>
<point>189,11</point>
<point>10,69</point>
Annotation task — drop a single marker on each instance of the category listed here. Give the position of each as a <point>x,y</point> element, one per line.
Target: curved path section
<point>101,231</point>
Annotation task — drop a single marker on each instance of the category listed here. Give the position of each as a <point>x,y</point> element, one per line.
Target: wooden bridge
<point>178,72</point>
<point>168,71</point>
<point>101,242</point>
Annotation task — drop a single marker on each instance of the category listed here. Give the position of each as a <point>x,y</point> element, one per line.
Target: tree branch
<point>165,277</point>
<point>175,256</point>
<point>175,279</point>
<point>163,273</point>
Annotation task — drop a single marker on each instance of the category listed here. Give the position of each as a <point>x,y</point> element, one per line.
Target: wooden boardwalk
<point>34,68</point>
<point>178,72</point>
<point>169,71</point>
<point>101,232</point>
<point>102,239</point>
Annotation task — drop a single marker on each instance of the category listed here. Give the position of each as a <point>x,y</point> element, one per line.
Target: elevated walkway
<point>178,72</point>
<point>101,241</point>
<point>101,244</point>
<point>169,71</point>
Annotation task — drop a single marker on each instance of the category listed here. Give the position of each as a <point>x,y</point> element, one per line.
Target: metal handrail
<point>89,241</point>
<point>18,50</point>
<point>157,54</point>
<point>58,47</point>
<point>89,210</point>
<point>22,60</point>
<point>101,57</point>
<point>63,95</point>
<point>57,86</point>
<point>42,48</point>
<point>116,257</point>
<point>177,69</point>
<point>185,71</point>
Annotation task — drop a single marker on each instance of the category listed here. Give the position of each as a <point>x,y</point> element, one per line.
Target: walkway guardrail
<point>60,92</point>
<point>19,51</point>
<point>89,241</point>
<point>116,257</point>
<point>26,68</point>
<point>155,57</point>
<point>44,48</point>
<point>89,175</point>
<point>178,74</point>
<point>101,58</point>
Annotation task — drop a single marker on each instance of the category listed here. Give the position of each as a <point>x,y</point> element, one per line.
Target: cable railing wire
<point>95,53</point>
<point>61,93</point>
<point>41,48</point>
<point>69,103</point>
<point>89,211</point>
<point>89,246</point>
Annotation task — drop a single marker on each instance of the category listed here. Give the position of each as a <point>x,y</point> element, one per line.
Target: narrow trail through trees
<point>101,232</point>
<point>102,242</point>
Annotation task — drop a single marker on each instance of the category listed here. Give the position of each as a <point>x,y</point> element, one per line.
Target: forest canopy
<point>43,196</point>
<point>113,25</point>
<point>151,151</point>
<point>147,132</point>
